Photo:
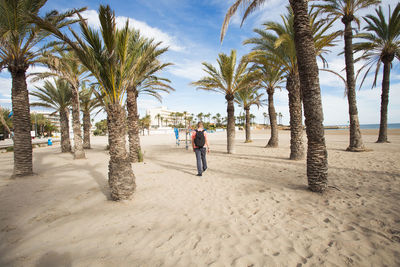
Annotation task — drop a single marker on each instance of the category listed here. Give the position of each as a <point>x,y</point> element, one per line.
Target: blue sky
<point>191,29</point>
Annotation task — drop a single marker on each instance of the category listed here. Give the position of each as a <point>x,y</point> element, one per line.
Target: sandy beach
<point>251,208</point>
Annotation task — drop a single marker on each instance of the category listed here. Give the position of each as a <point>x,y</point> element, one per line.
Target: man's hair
<point>199,124</point>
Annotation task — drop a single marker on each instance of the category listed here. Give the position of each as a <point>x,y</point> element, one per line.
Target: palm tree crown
<point>56,95</point>
<point>228,79</point>
<point>249,97</point>
<point>381,46</point>
<point>21,39</point>
<point>382,40</point>
<point>345,9</point>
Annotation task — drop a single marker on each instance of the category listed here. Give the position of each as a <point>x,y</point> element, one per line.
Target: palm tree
<point>246,98</point>
<point>279,50</point>
<point>158,116</point>
<point>104,55</point>
<point>317,160</point>
<point>219,119</point>
<point>200,116</point>
<point>228,80</point>
<point>68,67</point>
<point>21,43</point>
<point>88,104</point>
<point>381,45</point>
<point>271,79</point>
<point>144,63</point>
<point>346,11</point>
<point>56,96</point>
<point>208,116</point>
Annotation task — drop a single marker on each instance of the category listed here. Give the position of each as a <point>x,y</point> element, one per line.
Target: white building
<point>160,116</point>
<point>53,117</point>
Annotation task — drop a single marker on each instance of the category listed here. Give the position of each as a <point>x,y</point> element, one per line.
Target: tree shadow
<point>185,168</point>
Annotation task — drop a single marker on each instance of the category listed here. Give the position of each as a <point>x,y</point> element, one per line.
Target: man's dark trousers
<point>201,158</point>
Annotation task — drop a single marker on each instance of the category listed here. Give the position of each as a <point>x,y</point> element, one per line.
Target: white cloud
<point>191,70</point>
<point>143,27</point>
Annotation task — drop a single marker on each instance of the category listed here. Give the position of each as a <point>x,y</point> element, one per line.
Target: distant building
<point>54,118</point>
<point>160,116</point>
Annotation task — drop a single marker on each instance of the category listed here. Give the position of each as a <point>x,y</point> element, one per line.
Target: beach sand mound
<point>251,208</point>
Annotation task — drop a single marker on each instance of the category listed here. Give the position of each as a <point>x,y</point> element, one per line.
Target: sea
<point>373,126</point>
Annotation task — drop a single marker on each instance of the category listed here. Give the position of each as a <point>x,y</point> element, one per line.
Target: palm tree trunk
<point>120,175</point>
<point>64,125</point>
<point>273,140</point>
<point>230,127</point>
<point>248,130</point>
<point>356,143</point>
<point>296,119</point>
<point>79,153</point>
<point>22,125</point>
<point>86,129</point>
<point>382,138</point>
<point>133,126</point>
<point>317,156</point>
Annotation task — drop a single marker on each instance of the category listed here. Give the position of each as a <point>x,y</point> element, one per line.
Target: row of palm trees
<point>185,119</point>
<point>57,95</point>
<point>122,65</point>
<point>287,52</point>
<point>119,63</point>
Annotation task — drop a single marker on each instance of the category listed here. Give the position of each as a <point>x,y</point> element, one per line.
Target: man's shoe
<point>199,174</point>
<point>204,169</point>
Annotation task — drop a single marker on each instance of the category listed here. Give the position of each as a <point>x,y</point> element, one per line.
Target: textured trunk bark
<point>317,156</point>
<point>382,138</point>
<point>22,124</point>
<point>86,129</point>
<point>120,175</point>
<point>296,119</point>
<point>248,130</point>
<point>230,127</point>
<point>64,125</point>
<point>133,126</point>
<point>79,153</point>
<point>356,143</point>
<point>273,140</point>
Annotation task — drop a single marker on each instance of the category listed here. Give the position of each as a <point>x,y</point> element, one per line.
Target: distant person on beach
<point>199,144</point>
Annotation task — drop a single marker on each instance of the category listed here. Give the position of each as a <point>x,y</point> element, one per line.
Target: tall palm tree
<point>317,160</point>
<point>219,119</point>
<point>56,96</point>
<point>279,50</point>
<point>381,45</point>
<point>228,80</point>
<point>158,116</point>
<point>104,54</point>
<point>346,10</point>
<point>246,98</point>
<point>88,104</point>
<point>68,67</point>
<point>144,63</point>
<point>21,43</point>
<point>271,79</point>
<point>200,116</point>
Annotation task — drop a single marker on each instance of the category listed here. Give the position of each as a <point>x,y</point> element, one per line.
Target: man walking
<point>199,144</point>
